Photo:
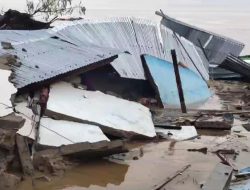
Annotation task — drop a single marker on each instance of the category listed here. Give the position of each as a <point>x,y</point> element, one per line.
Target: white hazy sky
<point>227,17</point>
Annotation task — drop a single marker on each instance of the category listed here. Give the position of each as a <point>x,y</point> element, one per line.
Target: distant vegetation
<point>51,9</point>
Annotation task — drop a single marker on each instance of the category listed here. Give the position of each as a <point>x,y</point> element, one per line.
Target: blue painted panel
<point>194,87</point>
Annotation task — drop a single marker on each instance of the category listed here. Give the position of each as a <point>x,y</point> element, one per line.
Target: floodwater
<point>157,163</point>
<point>226,17</point>
<point>154,163</point>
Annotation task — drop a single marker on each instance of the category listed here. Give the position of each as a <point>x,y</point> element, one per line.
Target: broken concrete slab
<point>115,116</point>
<point>213,122</point>
<point>80,150</point>
<point>24,155</point>
<point>185,133</point>
<point>57,160</point>
<point>11,121</point>
<point>29,127</point>
<point>7,139</point>
<point>58,132</point>
<point>220,178</point>
<point>5,95</point>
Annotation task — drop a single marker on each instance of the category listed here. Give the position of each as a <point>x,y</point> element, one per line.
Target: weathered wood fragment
<point>169,179</point>
<point>211,122</point>
<point>178,82</point>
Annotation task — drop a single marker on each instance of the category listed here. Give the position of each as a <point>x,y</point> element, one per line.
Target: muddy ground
<point>148,164</point>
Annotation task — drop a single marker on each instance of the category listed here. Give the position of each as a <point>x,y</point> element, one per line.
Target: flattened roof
<point>46,54</point>
<point>42,57</point>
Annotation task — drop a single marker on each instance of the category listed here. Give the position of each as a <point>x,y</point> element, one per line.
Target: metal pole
<point>178,82</point>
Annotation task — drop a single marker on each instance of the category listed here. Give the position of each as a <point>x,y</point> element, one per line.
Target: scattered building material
<point>58,132</point>
<point>226,151</point>
<point>11,121</point>
<point>169,179</point>
<point>246,126</point>
<point>24,155</point>
<point>226,160</point>
<point>5,160</point>
<point>175,127</point>
<point>220,178</point>
<point>161,75</point>
<point>84,151</point>
<point>213,122</point>
<point>216,47</point>
<point>235,64</point>
<point>5,95</point>
<point>202,150</point>
<point>7,139</point>
<point>29,127</point>
<point>115,116</point>
<point>52,164</point>
<point>243,173</point>
<point>186,133</point>
<point>9,181</point>
<point>240,185</point>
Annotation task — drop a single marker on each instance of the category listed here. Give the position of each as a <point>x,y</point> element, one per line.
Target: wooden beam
<point>178,82</point>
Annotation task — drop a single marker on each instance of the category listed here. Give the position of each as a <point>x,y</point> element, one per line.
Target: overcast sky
<point>227,17</point>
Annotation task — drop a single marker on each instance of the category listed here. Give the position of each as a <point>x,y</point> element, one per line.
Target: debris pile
<point>80,91</point>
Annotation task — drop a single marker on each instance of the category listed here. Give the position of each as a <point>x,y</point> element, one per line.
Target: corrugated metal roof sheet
<point>185,51</point>
<point>217,47</point>
<point>235,64</point>
<point>90,41</point>
<point>137,36</point>
<point>43,57</point>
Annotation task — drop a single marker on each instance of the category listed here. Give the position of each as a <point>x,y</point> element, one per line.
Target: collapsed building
<point>93,81</point>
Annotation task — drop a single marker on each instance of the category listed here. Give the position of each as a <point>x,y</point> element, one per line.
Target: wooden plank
<point>169,179</point>
<point>178,82</point>
<point>220,178</point>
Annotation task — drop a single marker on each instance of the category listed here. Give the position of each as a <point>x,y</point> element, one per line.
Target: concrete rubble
<point>115,116</point>
<point>87,102</point>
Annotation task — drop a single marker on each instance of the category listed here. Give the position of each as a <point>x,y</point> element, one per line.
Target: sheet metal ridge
<point>201,30</point>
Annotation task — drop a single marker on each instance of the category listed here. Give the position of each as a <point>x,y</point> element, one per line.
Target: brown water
<point>158,161</point>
